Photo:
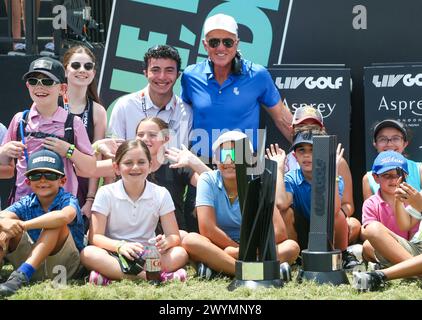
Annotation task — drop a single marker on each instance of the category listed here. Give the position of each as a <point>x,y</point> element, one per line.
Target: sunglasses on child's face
<point>88,66</point>
<point>227,153</point>
<point>51,176</point>
<point>215,42</point>
<point>46,82</point>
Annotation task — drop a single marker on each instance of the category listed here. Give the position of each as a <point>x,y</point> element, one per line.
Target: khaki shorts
<point>68,258</point>
<point>414,248</point>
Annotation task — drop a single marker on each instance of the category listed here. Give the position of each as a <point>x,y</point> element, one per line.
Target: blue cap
<point>389,160</point>
<point>45,160</point>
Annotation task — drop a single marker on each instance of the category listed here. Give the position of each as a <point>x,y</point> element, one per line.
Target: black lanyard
<point>169,121</point>
<point>84,117</point>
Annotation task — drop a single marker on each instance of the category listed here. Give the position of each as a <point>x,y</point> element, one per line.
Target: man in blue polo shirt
<point>225,91</point>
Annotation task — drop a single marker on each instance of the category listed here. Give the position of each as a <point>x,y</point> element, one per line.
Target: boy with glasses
<point>385,240</point>
<point>43,230</point>
<point>392,135</point>
<point>45,126</point>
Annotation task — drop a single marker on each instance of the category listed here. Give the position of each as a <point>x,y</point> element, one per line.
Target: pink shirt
<point>376,209</point>
<point>54,125</point>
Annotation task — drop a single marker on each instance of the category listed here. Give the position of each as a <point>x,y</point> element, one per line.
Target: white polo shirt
<point>128,220</point>
<point>130,109</point>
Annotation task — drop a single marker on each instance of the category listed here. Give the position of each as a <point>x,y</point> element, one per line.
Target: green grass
<point>195,289</point>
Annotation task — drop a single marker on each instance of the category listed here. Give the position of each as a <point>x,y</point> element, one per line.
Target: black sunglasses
<point>46,82</point>
<point>88,66</point>
<point>215,42</point>
<point>51,176</point>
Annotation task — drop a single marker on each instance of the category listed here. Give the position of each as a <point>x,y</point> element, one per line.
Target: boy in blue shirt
<point>43,229</point>
<point>294,198</point>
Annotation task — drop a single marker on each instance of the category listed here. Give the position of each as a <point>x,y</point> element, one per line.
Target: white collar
<point>120,192</point>
<point>149,104</point>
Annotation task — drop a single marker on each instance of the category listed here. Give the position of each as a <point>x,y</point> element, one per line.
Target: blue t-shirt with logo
<point>301,190</point>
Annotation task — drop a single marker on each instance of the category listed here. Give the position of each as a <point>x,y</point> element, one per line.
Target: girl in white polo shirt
<point>124,217</point>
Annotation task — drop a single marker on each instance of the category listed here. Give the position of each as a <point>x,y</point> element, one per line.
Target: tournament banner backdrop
<point>326,89</point>
<point>394,92</point>
<point>137,25</point>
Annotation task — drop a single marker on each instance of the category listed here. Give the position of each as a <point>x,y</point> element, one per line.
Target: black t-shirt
<point>175,181</point>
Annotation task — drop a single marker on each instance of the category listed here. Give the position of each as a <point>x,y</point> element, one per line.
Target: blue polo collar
<point>34,202</point>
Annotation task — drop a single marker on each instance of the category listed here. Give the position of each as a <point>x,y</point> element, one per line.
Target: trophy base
<point>265,274</point>
<point>323,267</point>
<point>254,284</point>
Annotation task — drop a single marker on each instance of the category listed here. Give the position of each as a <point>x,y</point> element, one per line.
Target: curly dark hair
<point>163,52</point>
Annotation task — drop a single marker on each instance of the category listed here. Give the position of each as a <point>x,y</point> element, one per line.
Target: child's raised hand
<point>406,193</point>
<point>275,153</point>
<point>56,145</point>
<point>180,158</point>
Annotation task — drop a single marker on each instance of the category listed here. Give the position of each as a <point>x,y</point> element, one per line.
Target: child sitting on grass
<point>125,215</point>
<point>380,225</point>
<point>294,198</point>
<point>43,229</point>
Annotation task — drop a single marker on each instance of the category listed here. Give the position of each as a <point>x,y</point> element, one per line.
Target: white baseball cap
<point>220,21</point>
<point>229,136</point>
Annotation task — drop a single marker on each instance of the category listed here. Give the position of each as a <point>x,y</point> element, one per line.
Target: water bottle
<point>152,262</point>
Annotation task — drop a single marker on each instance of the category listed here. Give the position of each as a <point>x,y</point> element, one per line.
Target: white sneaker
<point>356,250</point>
<point>19,50</point>
<point>285,272</point>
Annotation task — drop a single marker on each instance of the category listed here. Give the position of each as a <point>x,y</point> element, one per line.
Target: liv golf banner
<point>327,90</point>
<point>394,92</point>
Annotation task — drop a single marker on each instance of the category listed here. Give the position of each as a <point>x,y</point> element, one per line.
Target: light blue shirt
<point>211,192</point>
<point>233,105</point>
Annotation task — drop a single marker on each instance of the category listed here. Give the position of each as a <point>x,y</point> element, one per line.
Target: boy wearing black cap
<point>45,127</point>
<point>44,229</point>
<point>294,197</point>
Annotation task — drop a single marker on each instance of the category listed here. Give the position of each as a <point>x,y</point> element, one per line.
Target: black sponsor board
<point>326,89</point>
<point>394,92</point>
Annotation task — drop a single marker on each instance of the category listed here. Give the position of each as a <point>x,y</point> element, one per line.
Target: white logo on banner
<point>326,109</point>
<point>401,106</point>
<point>391,80</point>
<point>310,82</point>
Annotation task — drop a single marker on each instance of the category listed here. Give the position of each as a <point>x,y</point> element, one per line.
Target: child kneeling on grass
<point>125,215</point>
<point>43,229</point>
